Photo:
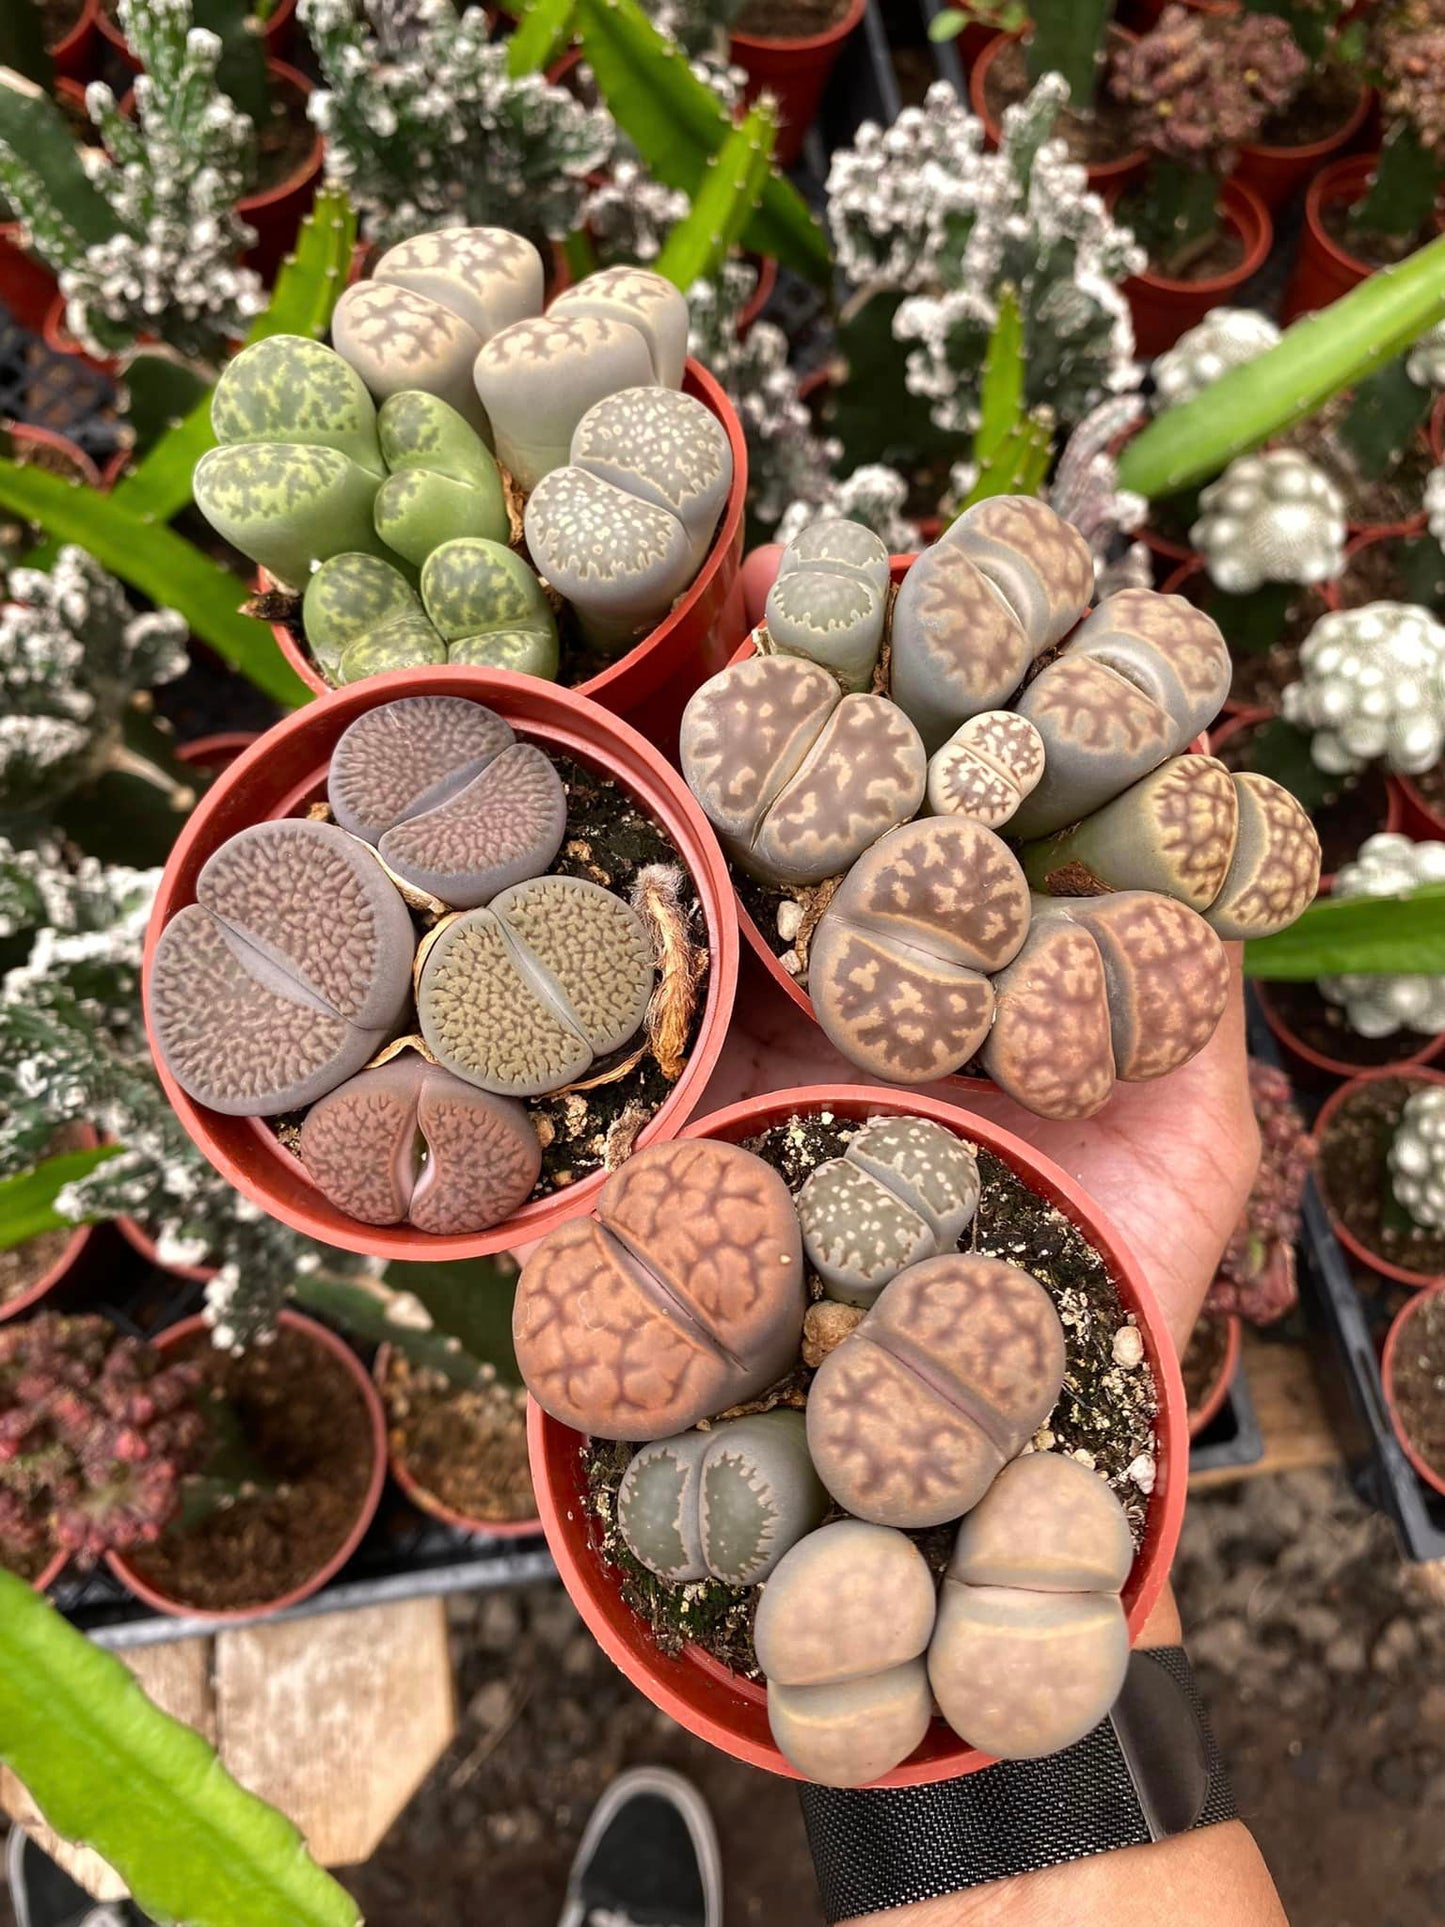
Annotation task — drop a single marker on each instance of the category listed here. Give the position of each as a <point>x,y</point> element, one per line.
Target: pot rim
<point>1419,1464</point>
<point>90,16</point>
<point>1240,208</point>
<point>422,1497</point>
<point>1101,174</point>
<point>1316,150</point>
<point>1209,1410</point>
<point>1329,1110</point>
<point>802,43</point>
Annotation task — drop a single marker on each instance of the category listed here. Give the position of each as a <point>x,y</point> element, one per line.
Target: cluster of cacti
<point>1271,517</point>
<point>298,965</point>
<point>1407,43</point>
<point>930,950</point>
<point>1389,865</point>
<point>1256,1275</point>
<point>1417,1157</point>
<point>1372,689</point>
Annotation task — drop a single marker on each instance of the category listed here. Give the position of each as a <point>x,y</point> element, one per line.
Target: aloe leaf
<point>705,237</point>
<point>106,1766</point>
<point>544,29</point>
<point>1375,936</point>
<point>27,1201</point>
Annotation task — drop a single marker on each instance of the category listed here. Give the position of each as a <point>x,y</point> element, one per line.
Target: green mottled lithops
<point>361,615</point>
<point>489,608</point>
<point>395,340</point>
<point>538,378</point>
<point>287,506</point>
<point>443,482</point>
<point>487,276</point>
<point>830,600</point>
<point>289,388</point>
<point>723,1504</point>
<point>639,299</point>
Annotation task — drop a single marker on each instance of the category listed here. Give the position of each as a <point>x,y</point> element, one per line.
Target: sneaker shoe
<point>649,1858</point>
<point>44,1895</point>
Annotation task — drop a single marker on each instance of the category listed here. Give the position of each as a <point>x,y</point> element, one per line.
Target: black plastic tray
<point>44,389</point>
<point>1232,1439</point>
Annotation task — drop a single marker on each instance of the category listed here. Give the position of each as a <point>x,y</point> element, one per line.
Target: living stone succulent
<point>1226,338</point>
<point>722,1504</point>
<point>955,1366</point>
<point>840,1633</point>
<point>797,778</point>
<point>905,1189</point>
<point>487,276</point>
<point>361,616</point>
<point>538,378</point>
<point>408,1143</point>
<point>489,608</point>
<point>1030,1644</point>
<point>830,600</point>
<point>986,768</point>
<point>1372,688</point>
<point>639,299</point>
<point>1271,517</point>
<point>442,481</point>
<point>397,340</point>
<point>288,972</point>
<point>1417,1157</point>
<point>682,1296</point>
<point>1389,865</point>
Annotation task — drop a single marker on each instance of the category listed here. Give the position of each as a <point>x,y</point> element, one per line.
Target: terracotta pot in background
<point>795,72</point>
<point>27,287</point>
<point>1324,270</point>
<point>1103,175</point>
<point>1163,308</point>
<point>1417,1071</point>
<point>47,448</point>
<point>767,268</point>
<point>276,213</point>
<point>79,1248</point>
<point>1276,173</point>
<point>278,32</point>
<point>1398,1335</point>
<point>74,54</point>
<point>428,1502</point>
<point>56,336</point>
<point>141,1242</point>
<point>697,1690</point>
<point>1304,1056</point>
<point>1204,1415</point>
<point>284,771</point>
<point>1418,819</point>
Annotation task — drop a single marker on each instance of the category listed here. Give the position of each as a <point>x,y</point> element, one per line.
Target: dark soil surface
<point>1322,1025</point>
<point>789,19</point>
<point>284,142</point>
<point>467,1448</point>
<point>1320,109</point>
<point>1419,1380</point>
<point>25,1265</point>
<point>1402,569</point>
<point>1355,1179</point>
<point>1203,1361</point>
<point>1095,137</point>
<point>1394,497</point>
<point>1369,245</point>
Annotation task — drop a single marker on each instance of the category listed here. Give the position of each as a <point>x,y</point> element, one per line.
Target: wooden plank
<point>1291,1414</point>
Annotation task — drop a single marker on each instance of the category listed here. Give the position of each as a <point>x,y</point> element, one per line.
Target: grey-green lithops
<point>287,505</point>
<point>830,600</point>
<point>361,615</point>
<point>489,608</point>
<point>538,378</point>
<point>639,299</point>
<point>395,340</point>
<point>443,482</point>
<point>289,388</point>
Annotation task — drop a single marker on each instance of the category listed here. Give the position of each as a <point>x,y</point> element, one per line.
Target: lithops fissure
<point>397,340</point>
<point>797,778</point>
<point>841,1631</point>
<point>722,1504</point>
<point>986,768</point>
<point>681,1297</point>
<point>489,608</point>
<point>454,804</point>
<point>443,482</point>
<point>830,600</point>
<point>1031,1643</point>
<point>538,378</point>
<point>289,971</point>
<point>361,616</point>
<point>287,506</point>
<point>640,299</point>
<point>914,1414</point>
<point>289,388</point>
<point>905,1189</point>
<point>406,1142</point>
<point>487,276</point>
<point>901,960</point>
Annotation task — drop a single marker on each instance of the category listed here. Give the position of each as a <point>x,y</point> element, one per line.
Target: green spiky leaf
<point>724,204</point>
<point>1340,936</point>
<point>27,1201</point>
<point>544,30</point>
<point>1001,383</point>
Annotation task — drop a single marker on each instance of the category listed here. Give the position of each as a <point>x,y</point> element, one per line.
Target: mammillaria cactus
<point>830,600</point>
<point>1372,688</point>
<point>722,1504</point>
<point>1030,1644</point>
<point>1434,502</point>
<point>1389,865</point>
<point>1425,363</point>
<point>1225,338</point>
<point>986,768</point>
<point>441,483</point>
<point>957,1363</point>
<point>1417,1157</point>
<point>1271,517</point>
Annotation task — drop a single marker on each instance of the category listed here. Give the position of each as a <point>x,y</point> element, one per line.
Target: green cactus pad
<point>287,505</point>
<point>288,388</point>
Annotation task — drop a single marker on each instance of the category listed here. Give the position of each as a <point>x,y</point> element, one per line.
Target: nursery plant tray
<point>1232,1439</point>
<point>58,392</point>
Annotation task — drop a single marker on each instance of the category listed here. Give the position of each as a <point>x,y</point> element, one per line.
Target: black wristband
<point>1150,1770</point>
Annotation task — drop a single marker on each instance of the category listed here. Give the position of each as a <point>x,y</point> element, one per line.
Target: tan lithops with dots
<point>681,1297</point>
<point>640,299</point>
<point>1031,1643</point>
<point>840,1633</point>
<point>488,276</point>
<point>1052,1047</point>
<point>912,1417</point>
<point>986,768</point>
<point>538,378</point>
<point>1276,868</point>
<point>899,966</point>
<point>396,340</point>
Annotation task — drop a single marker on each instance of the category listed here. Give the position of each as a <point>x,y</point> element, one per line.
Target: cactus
<point>1417,1158</point>
<point>442,481</point>
<point>1434,503</point>
<point>1226,338</point>
<point>489,608</point>
<point>1371,688</point>
<point>830,599</point>
<point>1378,1005</point>
<point>361,615</point>
<point>730,190</point>
<point>1408,38</point>
<point>1273,517</point>
<point>986,768</point>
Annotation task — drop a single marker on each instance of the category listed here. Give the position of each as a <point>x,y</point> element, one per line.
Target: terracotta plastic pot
<point>651,682</point>
<point>56,336</point>
<point>1204,1415</point>
<point>1397,1335</point>
<point>216,753</point>
<point>277,212</point>
<point>767,268</point>
<point>74,53</point>
<point>37,447</point>
<point>1418,819</point>
<point>1102,175</point>
<point>1417,1072</point>
<point>78,1249</point>
<point>1163,308</point>
<point>1276,173</point>
<point>428,1502</point>
<point>27,287</point>
<point>1307,1058</point>
<point>179,1334</point>
<point>698,1691</point>
<point>1324,270</point>
<point>284,771</point>
<point>1436,430</point>
<point>141,1242</point>
<point>795,72</point>
<point>47,1576</point>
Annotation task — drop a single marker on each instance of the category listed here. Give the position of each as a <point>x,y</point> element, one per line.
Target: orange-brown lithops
<point>1052,1046</point>
<point>1275,871</point>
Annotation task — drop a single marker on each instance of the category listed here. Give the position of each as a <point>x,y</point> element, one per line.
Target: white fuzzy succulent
<point>1226,338</point>
<point>1435,503</point>
<point>1372,688</point>
<point>874,495</point>
<point>630,214</point>
<point>1417,1157</point>
<point>1271,517</point>
<point>1425,364</point>
<point>1389,865</point>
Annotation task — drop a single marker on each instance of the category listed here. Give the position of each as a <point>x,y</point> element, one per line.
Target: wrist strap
<point>1150,1770</point>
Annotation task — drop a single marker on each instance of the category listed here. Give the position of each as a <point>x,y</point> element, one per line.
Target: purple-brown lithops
<point>915,1413</point>
<point>840,1634</point>
<point>538,377</point>
<point>905,1189</point>
<point>408,1143</point>
<point>522,996</point>
<point>682,1296</point>
<point>288,972</point>
<point>986,768</point>
<point>1031,1643</point>
<point>1051,1047</point>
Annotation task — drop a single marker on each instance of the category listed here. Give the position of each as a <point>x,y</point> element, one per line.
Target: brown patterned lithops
<point>798,779</point>
<point>538,378</point>
<point>1031,1643</point>
<point>722,1504</point>
<point>957,1363</point>
<point>1276,868</point>
<point>1051,1047</point>
<point>986,768</point>
<point>406,1142</point>
<point>290,970</point>
<point>900,962</point>
<point>841,1629</point>
<point>488,276</point>
<point>1173,831</point>
<point>453,803</point>
<point>642,300</point>
<point>396,340</point>
<point>682,1296</point>
<point>904,1189</point>
<point>830,600</point>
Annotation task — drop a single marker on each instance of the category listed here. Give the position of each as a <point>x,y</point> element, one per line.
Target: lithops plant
<point>1389,865</point>
<point>905,1189</point>
<point>797,778</point>
<point>682,1296</point>
<point>722,1504</point>
<point>830,600</point>
<point>841,1631</point>
<point>487,276</point>
<point>408,1143</point>
<point>361,616</point>
<point>538,378</point>
<point>1271,517</point>
<point>489,608</point>
<point>901,959</point>
<point>1372,688</point>
<point>986,768</point>
<point>397,340</point>
<point>956,1365</point>
<point>1031,1644</point>
<point>639,299</point>
<point>1226,338</point>
<point>453,803</point>
<point>288,972</point>
<point>1417,1157</point>
<point>442,480</point>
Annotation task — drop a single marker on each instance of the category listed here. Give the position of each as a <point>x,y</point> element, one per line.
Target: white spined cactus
<point>1425,364</point>
<point>1435,503</point>
<point>1271,517</point>
<point>1389,865</point>
<point>1226,338</point>
<point>1417,1157</point>
<point>1372,688</point>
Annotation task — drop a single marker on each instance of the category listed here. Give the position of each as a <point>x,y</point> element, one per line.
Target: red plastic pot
<point>1324,270</point>
<point>1394,1338</point>
<point>283,772</point>
<point>1305,1055</point>
<point>77,1250</point>
<point>767,269</point>
<point>141,1241</point>
<point>1276,173</point>
<point>698,1691</point>
<point>27,287</point>
<point>179,1334</point>
<point>1202,1416</point>
<point>1415,1069</point>
<point>428,1502</point>
<point>1103,175</point>
<point>74,53</point>
<point>56,336</point>
<point>1418,819</point>
<point>1163,308</point>
<point>278,31</point>
<point>794,71</point>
